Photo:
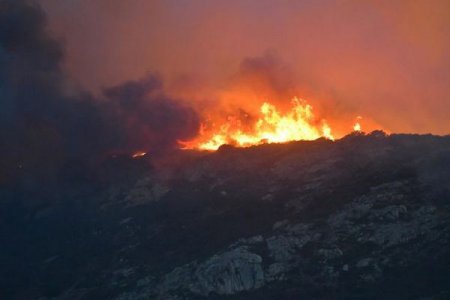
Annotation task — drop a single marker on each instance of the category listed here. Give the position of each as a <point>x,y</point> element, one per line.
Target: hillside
<point>364,217</point>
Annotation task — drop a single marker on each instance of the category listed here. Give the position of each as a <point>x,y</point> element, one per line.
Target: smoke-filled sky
<point>86,78</point>
<point>388,61</point>
<point>47,122</point>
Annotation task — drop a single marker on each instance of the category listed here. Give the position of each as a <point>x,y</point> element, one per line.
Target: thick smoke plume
<point>46,122</point>
<point>149,119</point>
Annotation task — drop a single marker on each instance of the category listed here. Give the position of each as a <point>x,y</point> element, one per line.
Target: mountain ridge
<point>310,219</point>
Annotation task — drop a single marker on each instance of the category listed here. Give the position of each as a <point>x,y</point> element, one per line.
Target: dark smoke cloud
<point>44,122</point>
<point>150,119</point>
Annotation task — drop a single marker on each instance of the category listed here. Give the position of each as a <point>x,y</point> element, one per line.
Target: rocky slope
<point>365,217</point>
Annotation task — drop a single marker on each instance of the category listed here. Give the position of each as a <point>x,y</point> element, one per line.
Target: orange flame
<point>357,126</point>
<point>139,154</point>
<point>299,123</point>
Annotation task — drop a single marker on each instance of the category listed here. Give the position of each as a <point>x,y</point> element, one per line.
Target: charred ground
<point>365,217</point>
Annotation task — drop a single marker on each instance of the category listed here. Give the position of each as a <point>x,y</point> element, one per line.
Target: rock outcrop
<point>376,220</point>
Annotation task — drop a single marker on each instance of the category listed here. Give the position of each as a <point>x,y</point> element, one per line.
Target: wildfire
<point>139,154</point>
<point>357,126</point>
<point>271,126</point>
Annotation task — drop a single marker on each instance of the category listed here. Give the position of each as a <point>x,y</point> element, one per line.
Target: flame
<point>272,126</point>
<point>357,126</point>
<point>139,154</point>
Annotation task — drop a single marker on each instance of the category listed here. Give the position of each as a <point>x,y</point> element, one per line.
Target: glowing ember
<point>139,154</point>
<point>299,123</point>
<point>357,126</point>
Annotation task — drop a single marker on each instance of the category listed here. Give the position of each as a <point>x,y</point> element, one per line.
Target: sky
<point>387,61</point>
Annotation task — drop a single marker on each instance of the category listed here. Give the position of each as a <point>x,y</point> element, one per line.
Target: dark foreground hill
<point>365,217</point>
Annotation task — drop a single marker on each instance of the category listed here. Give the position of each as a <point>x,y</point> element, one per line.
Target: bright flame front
<point>139,154</point>
<point>271,126</point>
<point>357,126</point>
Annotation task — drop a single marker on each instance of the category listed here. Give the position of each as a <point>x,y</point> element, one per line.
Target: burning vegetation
<point>270,126</point>
<point>357,126</point>
<point>139,154</point>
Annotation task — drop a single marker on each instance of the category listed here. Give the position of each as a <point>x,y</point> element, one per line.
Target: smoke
<point>46,122</point>
<point>385,59</point>
<point>263,78</point>
<point>151,120</point>
<point>270,78</point>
